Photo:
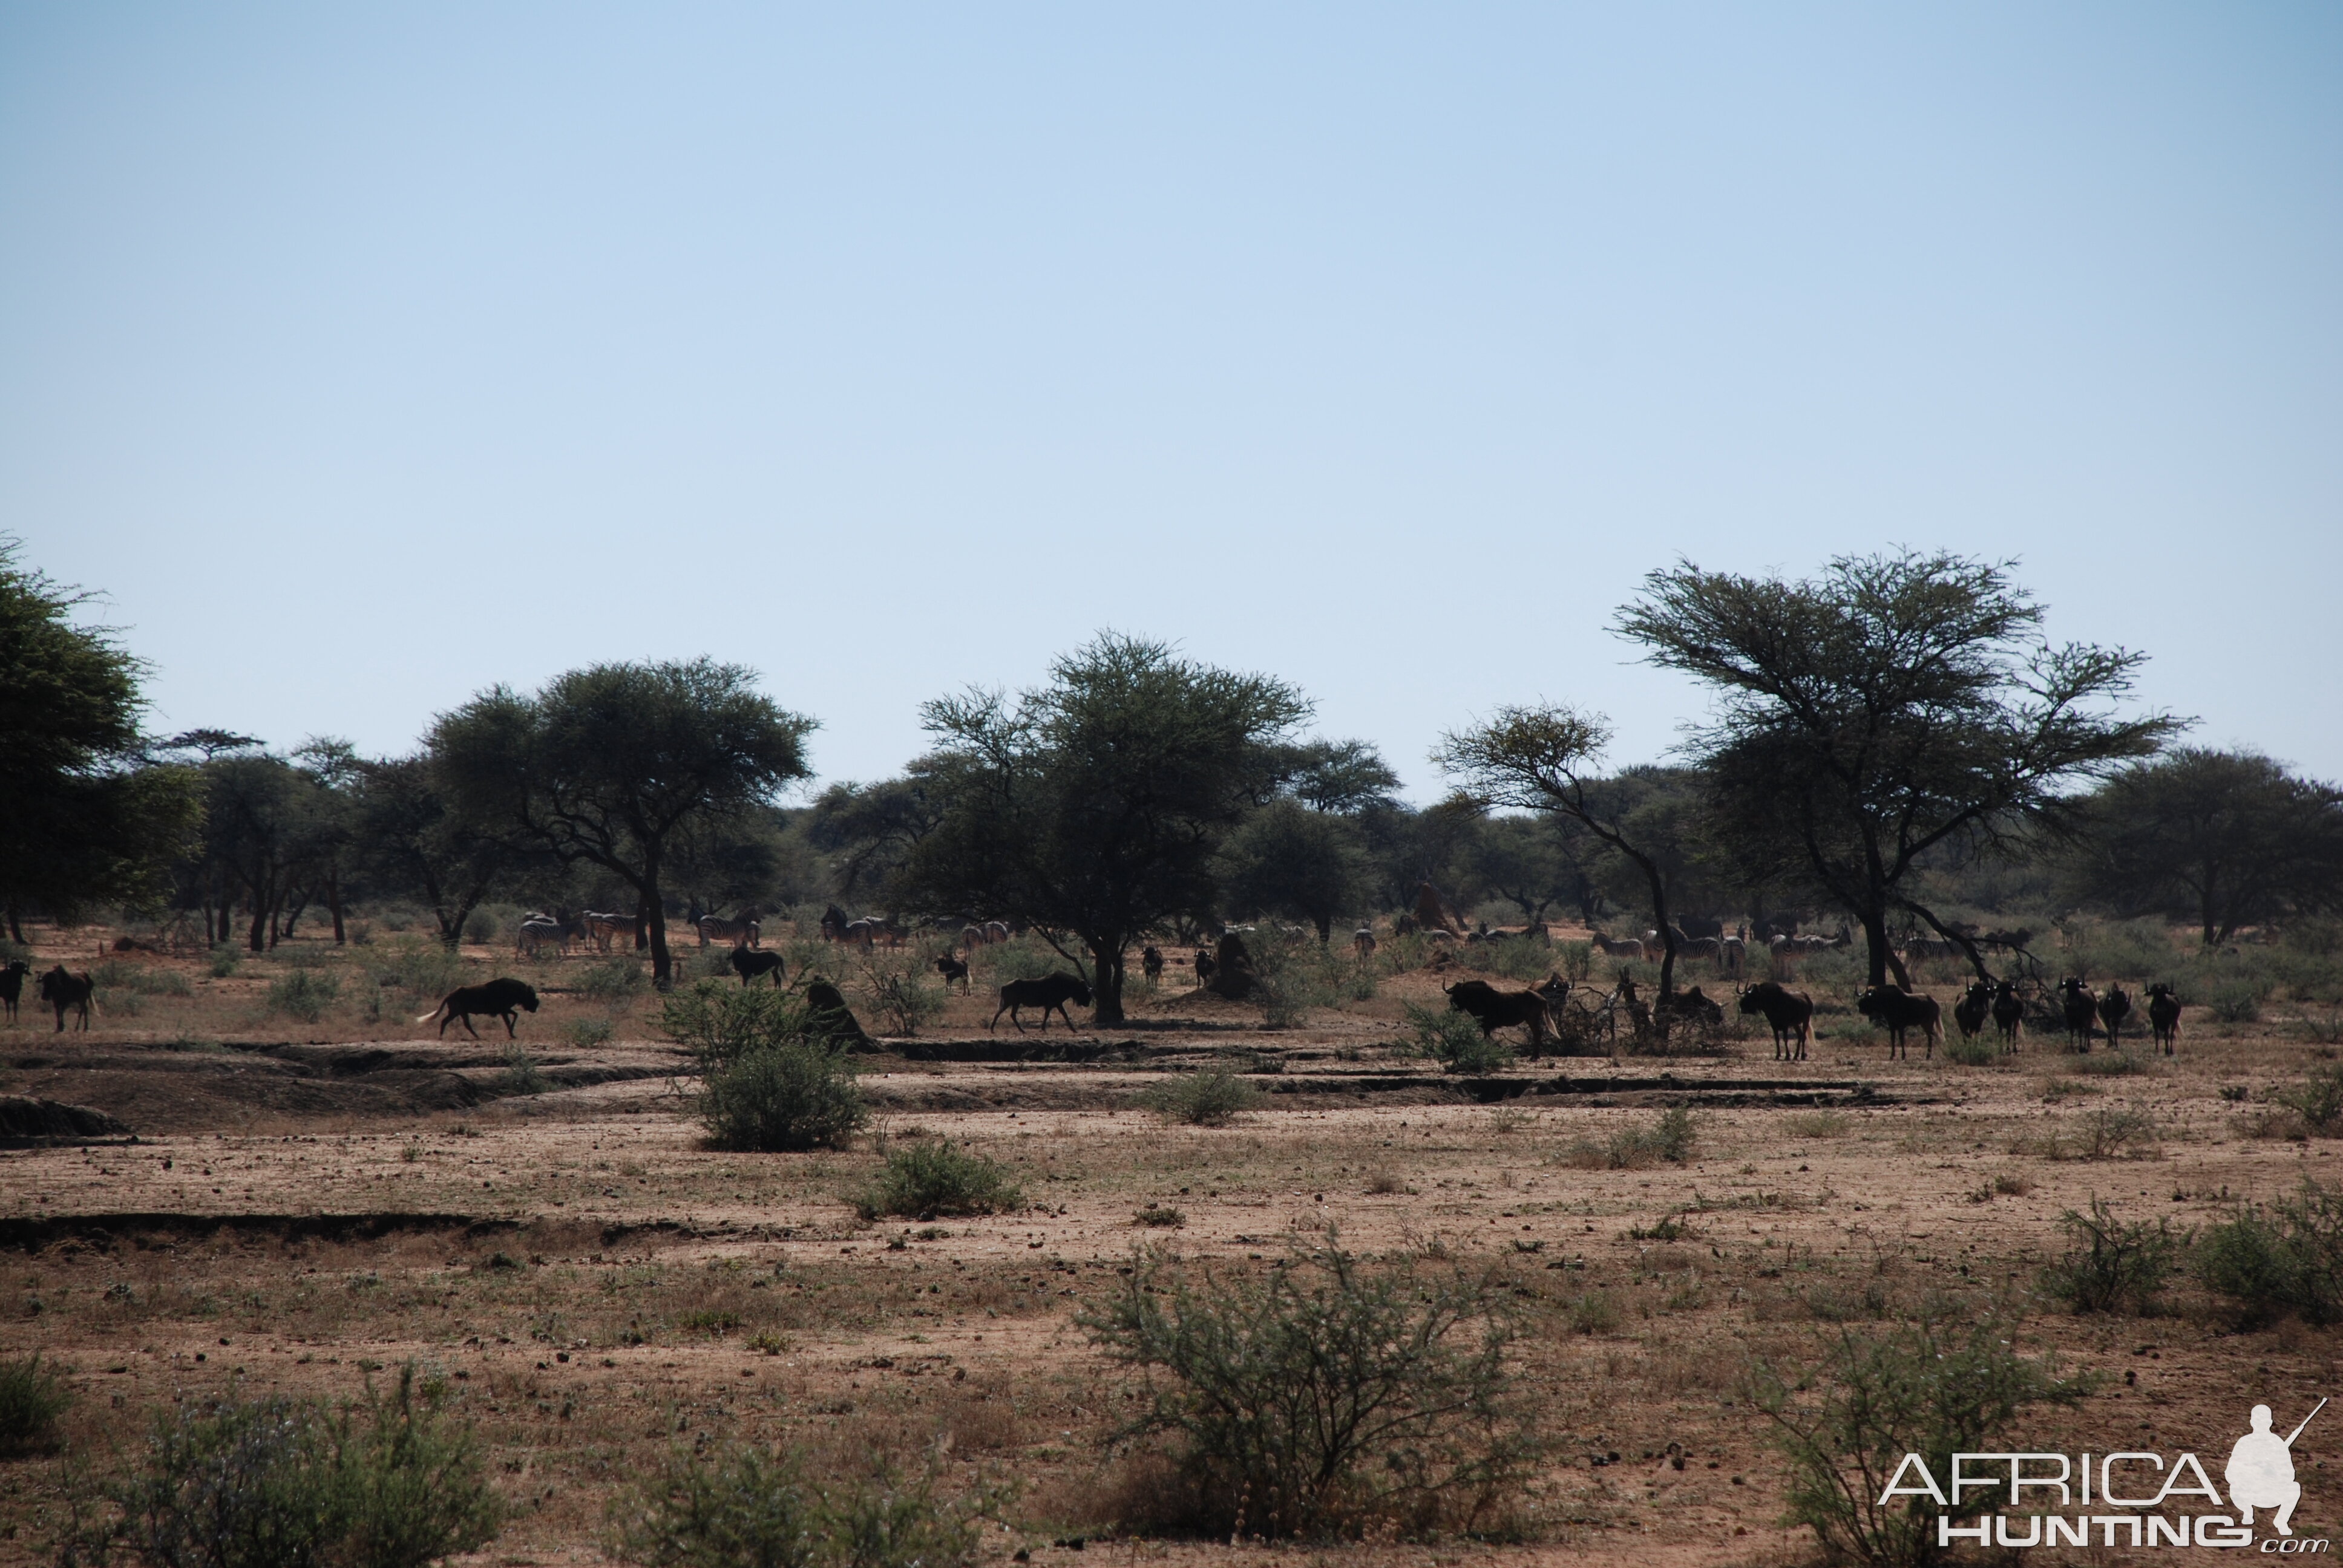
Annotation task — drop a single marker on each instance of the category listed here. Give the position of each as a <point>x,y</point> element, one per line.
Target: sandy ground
<point>299,1214</point>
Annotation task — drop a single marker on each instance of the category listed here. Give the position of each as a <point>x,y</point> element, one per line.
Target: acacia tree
<point>1541,760</point>
<point>1092,808</point>
<point>409,840</point>
<point>85,816</point>
<point>1289,861</point>
<point>1896,706</point>
<point>608,764</point>
<point>2227,838</point>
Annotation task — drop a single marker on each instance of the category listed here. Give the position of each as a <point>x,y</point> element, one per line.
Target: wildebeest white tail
<point>428,1017</point>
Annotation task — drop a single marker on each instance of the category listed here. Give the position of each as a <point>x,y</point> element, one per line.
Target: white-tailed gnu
<point>2261,1470</point>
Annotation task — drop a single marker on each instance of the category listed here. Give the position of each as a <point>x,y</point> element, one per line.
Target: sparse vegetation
<point>32,1398</point>
<point>272,1483</point>
<point>930,1177</point>
<point>1669,1139</point>
<point>1323,1399</point>
<point>1941,1384</point>
<point>1454,1040</point>
<point>1212,1096</point>
<point>306,994</point>
<point>741,1505</point>
<point>2284,1260</point>
<point>2112,1266</point>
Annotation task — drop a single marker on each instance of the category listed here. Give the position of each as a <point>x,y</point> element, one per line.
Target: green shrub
<point>1980,1050</point>
<point>931,1177</point>
<point>2236,999</point>
<point>781,1098</point>
<point>2286,1259</point>
<point>720,1024</point>
<point>420,967</point>
<point>225,959</point>
<point>521,1074</point>
<point>304,994</point>
<point>141,980</point>
<point>2113,1267</point>
<point>1211,1098</point>
<point>1577,961</point>
<point>1670,1138</point>
<point>1320,1400</point>
<point>1934,1387</point>
<point>1595,1313</point>
<point>2317,1099</point>
<point>613,980</point>
<point>587,1032</point>
<point>279,1483</point>
<point>1294,974</point>
<point>481,929</point>
<point>1454,1040</point>
<point>898,984</point>
<point>32,1398</point>
<point>743,1506</point>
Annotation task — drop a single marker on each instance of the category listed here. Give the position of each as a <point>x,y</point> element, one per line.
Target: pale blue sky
<point>366,357</point>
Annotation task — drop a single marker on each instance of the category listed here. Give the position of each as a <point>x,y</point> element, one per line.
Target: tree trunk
<point>642,924</point>
<point>333,902</point>
<point>2205,909</point>
<point>662,966</point>
<point>15,931</point>
<point>1106,970</point>
<point>1325,930</point>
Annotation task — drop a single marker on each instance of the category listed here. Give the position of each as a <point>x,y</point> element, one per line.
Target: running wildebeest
<point>750,962</point>
<point>501,998</point>
<point>62,990</point>
<point>1899,1010</point>
<point>1048,993</point>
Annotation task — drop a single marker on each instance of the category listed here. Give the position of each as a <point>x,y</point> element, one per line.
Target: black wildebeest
<point>2163,1015</point>
<point>1791,1017</point>
<point>1151,963</point>
<point>1205,967</point>
<point>501,998</point>
<point>1899,1010</point>
<point>953,969</point>
<point>2008,1012</point>
<point>11,985</point>
<point>750,962</point>
<point>1973,1008</point>
<point>1051,992</point>
<point>62,990</point>
<point>2081,1007</point>
<point>2114,1008</point>
<point>1494,1009</point>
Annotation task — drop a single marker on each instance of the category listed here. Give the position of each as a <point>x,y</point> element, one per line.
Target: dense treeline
<point>1894,749</point>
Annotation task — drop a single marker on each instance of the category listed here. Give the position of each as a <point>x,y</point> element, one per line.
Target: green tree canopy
<point>1288,860</point>
<point>412,842</point>
<point>608,764</point>
<point>1093,806</point>
<point>2224,838</point>
<point>85,816</point>
<point>1896,705</point>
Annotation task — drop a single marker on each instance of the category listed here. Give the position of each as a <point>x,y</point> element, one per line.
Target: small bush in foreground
<point>304,994</point>
<point>31,1397</point>
<point>1320,1401</point>
<point>1669,1139</point>
<point>1211,1098</point>
<point>932,1177</point>
<point>2285,1258</point>
<point>281,1484</point>
<point>1933,1388</point>
<point>522,1075</point>
<point>2113,1267</point>
<point>2317,1099</point>
<point>742,1506</point>
<point>1454,1040</point>
<point>781,1098</point>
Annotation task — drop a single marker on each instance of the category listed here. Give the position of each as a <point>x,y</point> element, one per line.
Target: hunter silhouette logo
<point>2124,1498</point>
<point>2261,1471</point>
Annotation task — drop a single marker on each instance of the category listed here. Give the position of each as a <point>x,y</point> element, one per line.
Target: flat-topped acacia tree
<point>1091,807</point>
<point>1893,707</point>
<point>606,764</point>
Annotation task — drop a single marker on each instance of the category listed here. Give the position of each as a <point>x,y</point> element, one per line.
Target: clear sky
<point>365,356</point>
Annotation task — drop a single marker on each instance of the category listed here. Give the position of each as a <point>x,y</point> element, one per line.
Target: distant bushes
<point>307,994</point>
<point>276,1483</point>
